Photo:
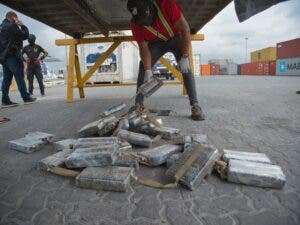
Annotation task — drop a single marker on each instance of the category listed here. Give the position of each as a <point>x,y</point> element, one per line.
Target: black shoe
<point>29,100</point>
<point>197,113</point>
<point>9,104</point>
<point>43,95</point>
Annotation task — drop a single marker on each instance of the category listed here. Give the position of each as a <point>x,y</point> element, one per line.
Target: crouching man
<point>159,27</point>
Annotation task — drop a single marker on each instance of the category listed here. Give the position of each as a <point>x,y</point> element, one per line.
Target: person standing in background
<point>33,54</point>
<point>12,34</point>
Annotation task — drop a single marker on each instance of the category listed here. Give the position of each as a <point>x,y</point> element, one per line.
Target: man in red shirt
<point>159,27</point>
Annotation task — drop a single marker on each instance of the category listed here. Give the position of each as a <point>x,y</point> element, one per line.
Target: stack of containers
<point>205,70</point>
<point>227,66</point>
<point>288,57</point>
<point>263,62</point>
<point>214,69</point>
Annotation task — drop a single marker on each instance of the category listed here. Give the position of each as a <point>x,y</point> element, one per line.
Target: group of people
<point>158,26</point>
<point>13,57</point>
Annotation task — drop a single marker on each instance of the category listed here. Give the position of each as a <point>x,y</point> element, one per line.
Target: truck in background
<point>161,71</point>
<point>120,67</point>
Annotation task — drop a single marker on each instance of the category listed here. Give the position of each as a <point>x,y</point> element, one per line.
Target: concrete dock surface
<point>256,114</point>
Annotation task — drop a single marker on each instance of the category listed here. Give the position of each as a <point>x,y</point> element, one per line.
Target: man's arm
<point>45,53</point>
<point>183,27</point>
<point>145,55</point>
<point>22,33</point>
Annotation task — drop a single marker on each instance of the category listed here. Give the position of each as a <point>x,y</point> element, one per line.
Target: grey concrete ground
<point>258,114</point>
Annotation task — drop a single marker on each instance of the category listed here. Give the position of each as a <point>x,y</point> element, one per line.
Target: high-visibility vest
<point>164,22</point>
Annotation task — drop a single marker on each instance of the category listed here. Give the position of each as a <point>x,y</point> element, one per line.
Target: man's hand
<point>184,65</point>
<point>18,22</point>
<point>148,75</point>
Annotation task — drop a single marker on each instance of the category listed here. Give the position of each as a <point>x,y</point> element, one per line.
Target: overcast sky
<point>224,35</point>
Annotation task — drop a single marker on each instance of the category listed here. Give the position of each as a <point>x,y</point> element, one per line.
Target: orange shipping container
<point>205,69</point>
<point>258,68</point>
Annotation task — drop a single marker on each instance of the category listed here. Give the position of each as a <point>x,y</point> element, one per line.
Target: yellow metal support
<point>174,71</point>
<point>74,63</point>
<point>125,84</point>
<point>191,59</point>
<point>80,84</point>
<point>62,42</point>
<point>70,82</point>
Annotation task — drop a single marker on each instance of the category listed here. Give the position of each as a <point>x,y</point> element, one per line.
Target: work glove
<point>148,76</point>
<point>184,65</point>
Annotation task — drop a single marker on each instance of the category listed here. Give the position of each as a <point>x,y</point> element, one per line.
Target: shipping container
<point>265,54</point>
<point>288,66</point>
<point>121,66</point>
<point>214,69</point>
<point>272,68</point>
<point>227,66</point>
<point>258,68</point>
<point>229,69</point>
<point>205,70</point>
<point>288,49</point>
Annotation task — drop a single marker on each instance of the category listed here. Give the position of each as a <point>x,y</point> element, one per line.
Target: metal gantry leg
<point>74,63</point>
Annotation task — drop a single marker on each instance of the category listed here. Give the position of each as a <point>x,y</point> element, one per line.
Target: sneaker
<point>9,104</point>
<point>43,95</point>
<point>197,113</point>
<point>29,100</point>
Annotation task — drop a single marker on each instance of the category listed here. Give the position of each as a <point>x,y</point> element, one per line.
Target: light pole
<point>246,39</point>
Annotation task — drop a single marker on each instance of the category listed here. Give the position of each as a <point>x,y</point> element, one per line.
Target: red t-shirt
<point>172,13</point>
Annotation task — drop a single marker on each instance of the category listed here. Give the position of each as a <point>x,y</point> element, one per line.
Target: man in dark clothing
<point>12,34</point>
<point>159,27</point>
<point>32,55</point>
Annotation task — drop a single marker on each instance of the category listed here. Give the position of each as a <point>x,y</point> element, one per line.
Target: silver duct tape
<point>37,135</point>
<point>199,138</point>
<point>114,109</point>
<point>149,88</point>
<point>125,147</point>
<point>108,178</point>
<point>64,144</point>
<point>126,160</point>
<point>123,124</point>
<point>172,159</point>
<point>136,122</point>
<point>255,174</point>
<point>202,167</point>
<point>26,145</point>
<point>159,155</point>
<point>107,125</point>
<point>95,142</point>
<point>246,156</point>
<point>89,159</point>
<point>55,160</point>
<point>135,138</point>
<point>103,148</point>
<point>90,129</point>
<point>182,139</point>
<point>170,133</point>
<point>149,129</point>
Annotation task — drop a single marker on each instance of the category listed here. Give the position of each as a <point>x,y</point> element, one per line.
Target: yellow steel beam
<point>99,62</point>
<point>78,73</point>
<point>125,84</point>
<point>70,82</point>
<point>175,72</point>
<point>61,42</point>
